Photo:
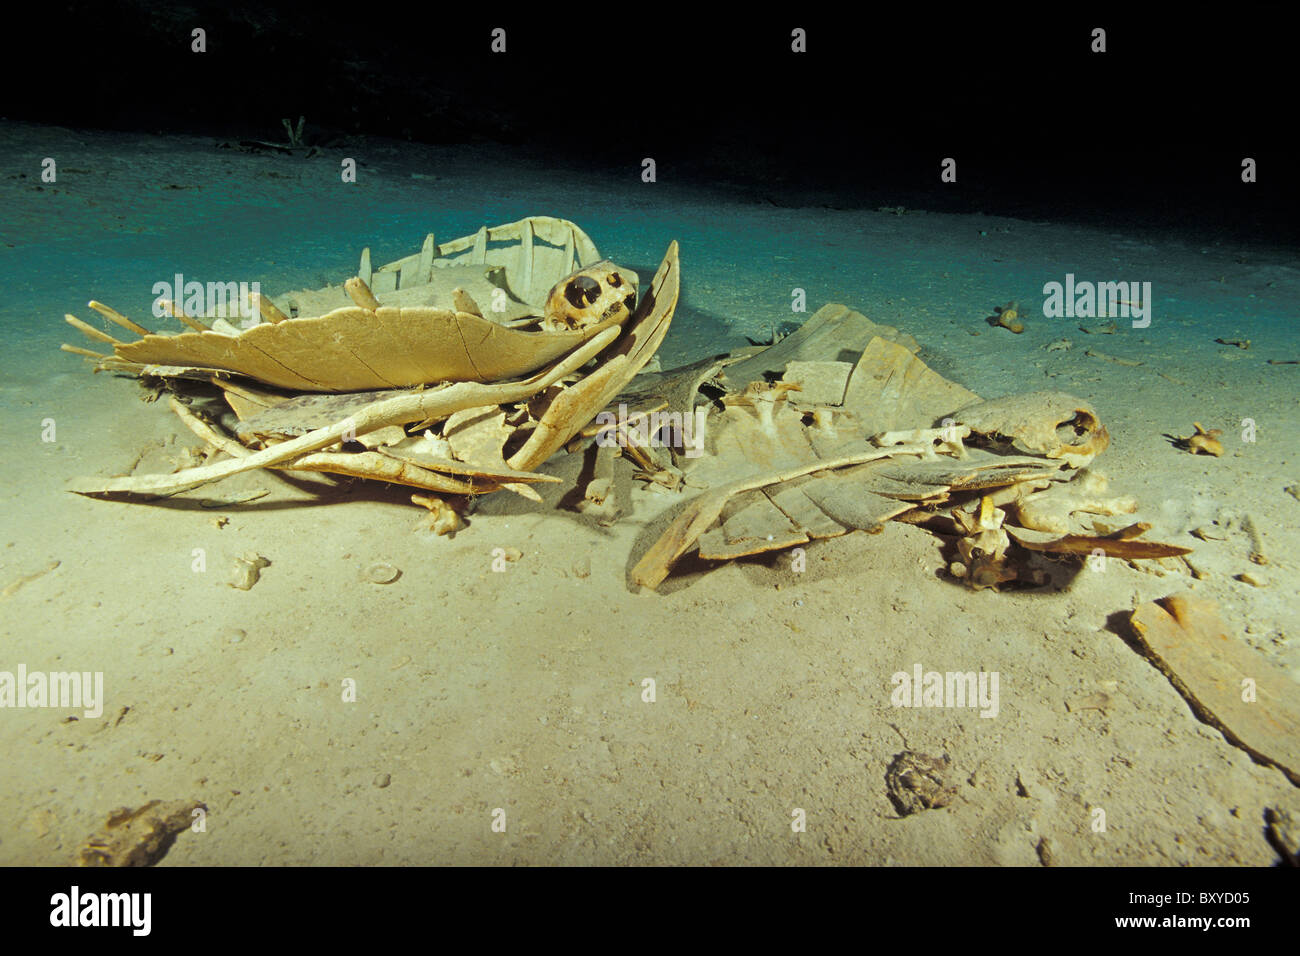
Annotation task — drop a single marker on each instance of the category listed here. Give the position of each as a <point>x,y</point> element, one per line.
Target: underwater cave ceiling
<point>718,99</point>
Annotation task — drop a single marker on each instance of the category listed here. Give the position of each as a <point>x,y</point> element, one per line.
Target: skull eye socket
<point>581,291</point>
<point>615,280</point>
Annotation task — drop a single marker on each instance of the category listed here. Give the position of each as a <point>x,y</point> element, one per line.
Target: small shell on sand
<point>381,573</point>
<point>232,635</point>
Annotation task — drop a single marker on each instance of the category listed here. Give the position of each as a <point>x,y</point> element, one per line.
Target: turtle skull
<point>597,294</point>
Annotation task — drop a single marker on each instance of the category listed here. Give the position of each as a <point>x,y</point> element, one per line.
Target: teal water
<point>128,211</point>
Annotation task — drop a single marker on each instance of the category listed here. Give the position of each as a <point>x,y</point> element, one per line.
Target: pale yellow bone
<point>77,350</point>
<point>1033,422</point>
<point>267,309</point>
<point>464,302</point>
<point>443,518</point>
<point>948,439</point>
<point>90,331</point>
<point>176,312</point>
<point>434,403</point>
<point>369,464</point>
<point>360,293</point>
<point>574,407</point>
<point>703,510</point>
<point>1051,510</point>
<point>115,316</point>
<point>983,550</point>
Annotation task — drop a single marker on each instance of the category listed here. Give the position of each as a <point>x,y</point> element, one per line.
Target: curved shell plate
<point>355,349</point>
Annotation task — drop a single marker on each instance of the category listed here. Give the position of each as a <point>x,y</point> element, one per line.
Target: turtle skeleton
<point>621,346</point>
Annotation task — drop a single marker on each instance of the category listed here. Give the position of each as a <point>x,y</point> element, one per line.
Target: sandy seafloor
<point>522,691</point>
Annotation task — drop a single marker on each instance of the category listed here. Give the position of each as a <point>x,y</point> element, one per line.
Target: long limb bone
<point>369,464</point>
<point>436,404</point>
<point>117,317</point>
<point>90,331</point>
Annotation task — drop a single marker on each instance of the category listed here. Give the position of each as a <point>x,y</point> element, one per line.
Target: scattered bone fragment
<point>946,440</point>
<point>1051,510</point>
<point>247,570</point>
<point>360,293</point>
<point>599,497</point>
<point>1123,543</point>
<point>1097,700</point>
<point>983,547</point>
<point>1105,328</point>
<point>443,518</point>
<point>1113,359</point>
<point>1008,317</point>
<point>1203,441</point>
<point>1184,636</point>
<point>140,836</point>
